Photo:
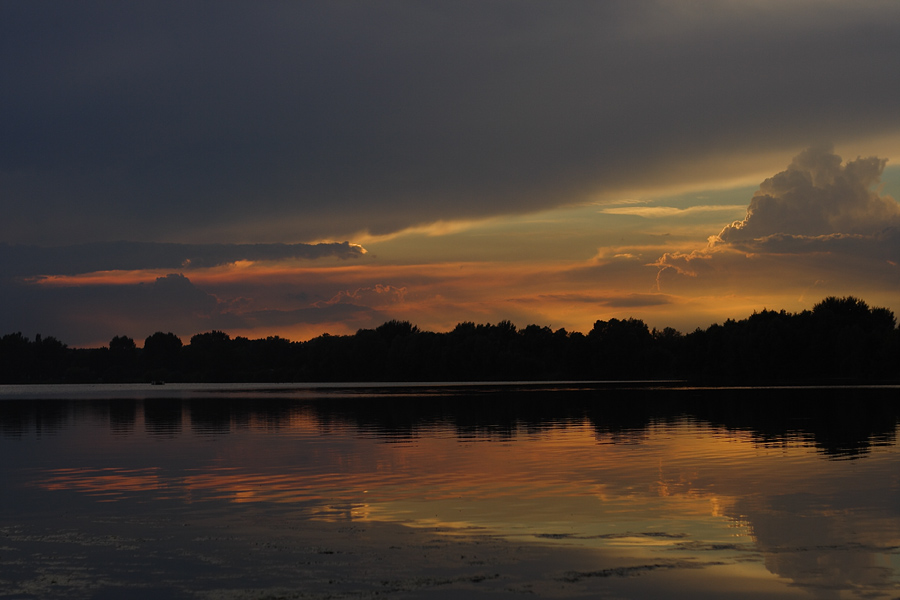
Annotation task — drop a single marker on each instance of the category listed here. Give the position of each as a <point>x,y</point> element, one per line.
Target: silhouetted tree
<point>621,348</point>
<point>51,356</point>
<point>394,328</point>
<point>162,353</point>
<point>122,359</point>
<point>16,359</point>
<point>123,345</point>
<point>209,357</point>
<point>851,339</point>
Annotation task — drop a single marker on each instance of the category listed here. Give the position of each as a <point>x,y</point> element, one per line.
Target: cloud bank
<point>92,314</point>
<point>22,260</point>
<point>286,122</point>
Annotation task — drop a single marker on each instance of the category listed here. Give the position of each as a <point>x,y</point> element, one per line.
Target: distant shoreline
<point>396,389</point>
<point>841,341</point>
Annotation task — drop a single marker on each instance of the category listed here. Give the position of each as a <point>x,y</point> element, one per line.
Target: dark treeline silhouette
<point>841,340</point>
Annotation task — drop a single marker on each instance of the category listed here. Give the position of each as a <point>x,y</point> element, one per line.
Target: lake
<point>562,490</point>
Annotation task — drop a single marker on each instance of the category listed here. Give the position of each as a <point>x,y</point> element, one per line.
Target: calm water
<point>448,491</point>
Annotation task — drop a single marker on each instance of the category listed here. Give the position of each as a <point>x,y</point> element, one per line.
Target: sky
<point>295,168</point>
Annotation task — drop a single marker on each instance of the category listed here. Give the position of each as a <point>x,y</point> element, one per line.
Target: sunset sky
<point>295,168</point>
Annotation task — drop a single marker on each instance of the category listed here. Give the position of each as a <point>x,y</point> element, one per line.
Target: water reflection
<point>803,539</point>
<point>841,423</point>
<point>796,484</point>
<point>163,417</point>
<point>122,416</point>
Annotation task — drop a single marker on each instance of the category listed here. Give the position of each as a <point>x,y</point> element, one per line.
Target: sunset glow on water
<point>673,493</point>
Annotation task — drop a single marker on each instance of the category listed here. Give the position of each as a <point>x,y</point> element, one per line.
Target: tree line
<point>841,340</point>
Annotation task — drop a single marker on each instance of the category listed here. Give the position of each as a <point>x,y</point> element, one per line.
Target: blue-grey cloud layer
<point>28,260</point>
<point>298,121</point>
<point>92,315</point>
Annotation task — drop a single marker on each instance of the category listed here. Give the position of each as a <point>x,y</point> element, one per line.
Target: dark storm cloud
<point>293,121</point>
<point>21,260</point>
<point>92,314</point>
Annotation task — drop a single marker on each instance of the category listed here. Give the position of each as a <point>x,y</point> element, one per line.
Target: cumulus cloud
<point>372,295</point>
<point>818,207</point>
<point>21,260</point>
<point>172,293</point>
<point>817,196</point>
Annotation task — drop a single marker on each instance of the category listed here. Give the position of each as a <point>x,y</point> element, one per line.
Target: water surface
<point>559,490</point>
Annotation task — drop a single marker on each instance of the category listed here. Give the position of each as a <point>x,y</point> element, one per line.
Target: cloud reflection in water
<point>686,487</point>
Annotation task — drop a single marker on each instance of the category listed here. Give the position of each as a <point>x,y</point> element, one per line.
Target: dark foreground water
<point>558,491</point>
